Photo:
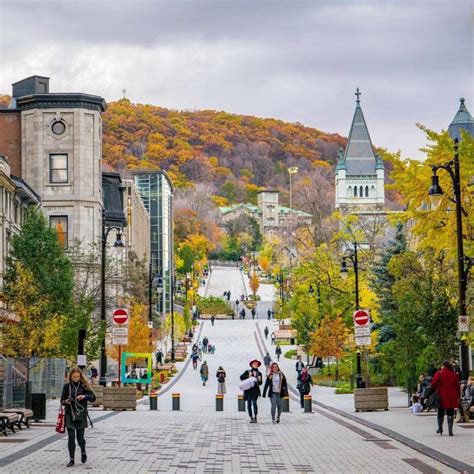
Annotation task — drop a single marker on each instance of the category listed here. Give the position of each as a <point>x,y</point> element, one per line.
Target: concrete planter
<point>120,398</point>
<point>216,316</point>
<point>99,394</point>
<point>370,399</point>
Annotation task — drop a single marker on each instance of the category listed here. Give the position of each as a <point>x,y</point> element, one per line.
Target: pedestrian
<point>467,400</point>
<point>267,360</point>
<point>237,302</point>
<point>205,342</point>
<point>94,375</point>
<point>242,313</point>
<point>304,384</point>
<point>225,294</point>
<point>252,393</point>
<point>221,375</point>
<point>277,388</point>
<point>195,358</point>
<point>446,384</point>
<point>278,352</point>
<point>269,314</point>
<point>213,318</point>
<point>266,331</point>
<point>253,313</point>
<point>204,371</point>
<point>159,357</point>
<point>273,338</point>
<point>299,365</point>
<point>228,296</point>
<point>75,395</point>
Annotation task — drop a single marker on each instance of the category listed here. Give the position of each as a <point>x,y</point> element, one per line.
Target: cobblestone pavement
<point>199,439</point>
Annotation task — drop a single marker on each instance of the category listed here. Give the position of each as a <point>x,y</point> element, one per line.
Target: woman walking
<point>75,395</point>
<point>252,393</point>
<point>195,358</point>
<point>220,375</point>
<point>304,384</point>
<point>204,371</point>
<point>277,387</point>
<point>278,352</point>
<point>446,383</point>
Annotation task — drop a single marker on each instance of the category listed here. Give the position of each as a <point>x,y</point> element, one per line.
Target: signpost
<point>120,333</point>
<point>463,323</point>
<point>361,317</point>
<point>361,327</point>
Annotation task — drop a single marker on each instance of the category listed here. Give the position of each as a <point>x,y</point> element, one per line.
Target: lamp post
<point>353,257</point>
<point>160,289</point>
<point>435,194</point>
<point>106,228</point>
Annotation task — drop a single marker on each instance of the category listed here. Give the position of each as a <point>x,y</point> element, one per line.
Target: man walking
<point>213,318</point>
<point>265,331</point>
<point>299,365</point>
<point>242,313</point>
<point>267,360</point>
<point>159,358</point>
<point>269,314</point>
<point>253,312</point>
<point>205,342</point>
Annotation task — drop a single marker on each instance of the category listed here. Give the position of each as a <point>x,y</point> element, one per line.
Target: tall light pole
<point>353,257</point>
<point>435,194</point>
<point>106,228</point>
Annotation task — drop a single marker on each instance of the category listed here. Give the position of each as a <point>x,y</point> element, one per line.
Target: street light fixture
<point>344,270</point>
<point>435,194</point>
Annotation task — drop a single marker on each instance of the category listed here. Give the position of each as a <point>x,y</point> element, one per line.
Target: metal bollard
<point>241,402</point>
<point>153,401</point>
<point>219,402</point>
<point>308,404</point>
<point>286,404</point>
<point>176,401</point>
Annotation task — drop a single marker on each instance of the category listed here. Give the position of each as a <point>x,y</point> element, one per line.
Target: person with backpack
<point>74,397</point>
<point>446,385</point>
<point>277,388</point>
<point>204,371</point>
<point>267,360</point>
<point>242,313</point>
<point>221,375</point>
<point>252,393</point>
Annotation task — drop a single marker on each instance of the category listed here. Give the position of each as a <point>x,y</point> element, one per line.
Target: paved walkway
<point>199,439</point>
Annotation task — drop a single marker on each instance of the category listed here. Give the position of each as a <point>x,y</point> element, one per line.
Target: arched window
<point>355,191</point>
<point>349,191</point>
<point>366,191</point>
<point>372,190</point>
<point>361,192</point>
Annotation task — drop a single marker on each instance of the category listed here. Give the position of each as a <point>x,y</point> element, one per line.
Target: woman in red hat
<point>252,393</point>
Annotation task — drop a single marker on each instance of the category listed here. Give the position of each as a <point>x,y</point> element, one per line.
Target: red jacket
<point>446,382</point>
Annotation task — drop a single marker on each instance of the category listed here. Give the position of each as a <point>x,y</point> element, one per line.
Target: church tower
<point>360,173</point>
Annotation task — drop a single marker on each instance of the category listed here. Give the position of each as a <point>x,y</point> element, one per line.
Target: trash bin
<point>38,405</point>
<point>292,341</point>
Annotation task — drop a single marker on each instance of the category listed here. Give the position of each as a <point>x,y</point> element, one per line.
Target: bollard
<point>308,404</point>
<point>241,402</point>
<point>219,402</point>
<point>286,405</point>
<point>176,401</point>
<point>153,401</point>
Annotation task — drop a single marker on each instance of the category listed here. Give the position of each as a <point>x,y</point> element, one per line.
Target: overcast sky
<point>294,60</point>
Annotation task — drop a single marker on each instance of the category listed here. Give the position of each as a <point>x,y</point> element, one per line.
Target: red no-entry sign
<point>120,316</point>
<point>361,317</point>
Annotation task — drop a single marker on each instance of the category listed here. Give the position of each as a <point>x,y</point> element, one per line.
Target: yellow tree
<point>254,284</point>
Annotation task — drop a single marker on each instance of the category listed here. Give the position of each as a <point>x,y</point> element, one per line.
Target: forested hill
<point>239,154</point>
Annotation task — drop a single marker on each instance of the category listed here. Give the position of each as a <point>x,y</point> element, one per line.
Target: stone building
<point>272,217</point>
<point>60,154</point>
<point>360,173</point>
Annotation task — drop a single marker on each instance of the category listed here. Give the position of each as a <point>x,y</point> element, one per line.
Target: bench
<point>25,415</point>
<point>8,420</point>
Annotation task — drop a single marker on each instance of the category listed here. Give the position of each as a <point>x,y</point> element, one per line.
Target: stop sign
<point>361,317</point>
<point>120,316</point>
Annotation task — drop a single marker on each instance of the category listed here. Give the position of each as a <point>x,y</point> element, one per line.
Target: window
<point>366,191</point>
<point>355,191</point>
<point>361,192</point>
<point>15,212</point>
<point>60,225</point>
<point>58,168</point>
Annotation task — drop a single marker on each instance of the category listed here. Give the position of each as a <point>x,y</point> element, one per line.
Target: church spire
<point>462,120</point>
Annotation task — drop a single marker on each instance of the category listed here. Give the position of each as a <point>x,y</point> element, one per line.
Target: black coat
<point>70,392</point>
<point>304,387</point>
<point>269,386</point>
<point>254,392</point>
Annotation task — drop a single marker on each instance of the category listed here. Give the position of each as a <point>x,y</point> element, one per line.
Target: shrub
<point>290,354</point>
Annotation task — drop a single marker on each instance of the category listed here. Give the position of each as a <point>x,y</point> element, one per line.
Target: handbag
<point>61,422</point>
<point>434,399</point>
<point>247,384</point>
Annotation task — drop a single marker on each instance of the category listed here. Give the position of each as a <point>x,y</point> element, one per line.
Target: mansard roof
<point>359,157</point>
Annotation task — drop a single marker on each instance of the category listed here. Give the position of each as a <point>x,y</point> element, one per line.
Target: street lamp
<point>160,289</point>
<point>435,194</point>
<point>106,229</point>
<point>353,257</point>
<point>292,170</point>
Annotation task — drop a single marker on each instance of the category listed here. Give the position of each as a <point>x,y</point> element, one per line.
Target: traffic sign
<point>120,316</point>
<point>362,331</point>
<point>363,341</point>
<point>81,360</point>
<point>119,331</point>
<point>361,317</point>
<point>119,340</point>
<point>463,323</point>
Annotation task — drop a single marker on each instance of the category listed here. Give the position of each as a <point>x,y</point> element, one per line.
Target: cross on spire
<point>358,94</point>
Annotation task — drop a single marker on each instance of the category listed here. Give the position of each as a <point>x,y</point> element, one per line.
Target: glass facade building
<point>156,190</point>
